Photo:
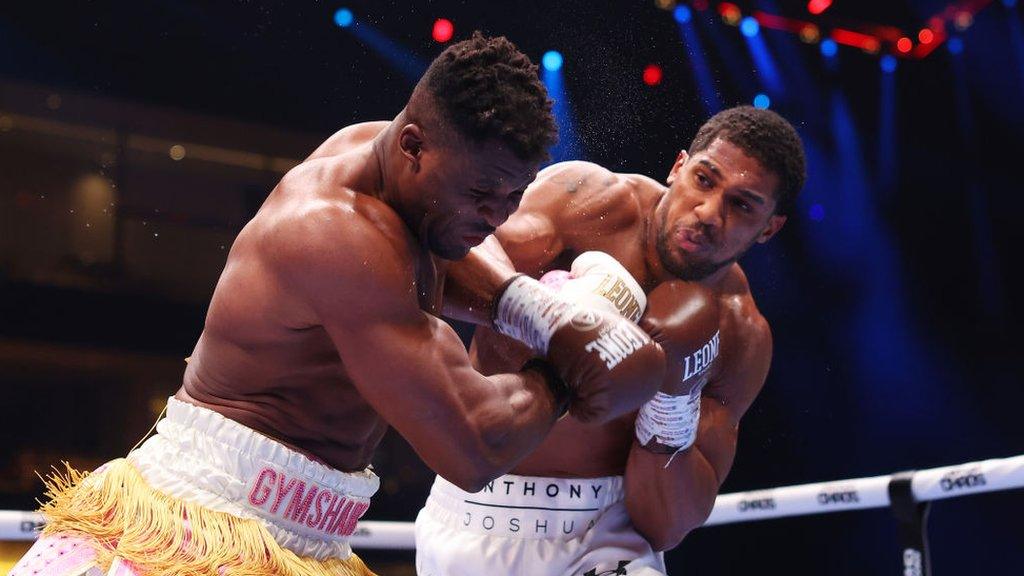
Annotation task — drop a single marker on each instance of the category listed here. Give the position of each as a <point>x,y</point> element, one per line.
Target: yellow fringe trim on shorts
<point>132,521</point>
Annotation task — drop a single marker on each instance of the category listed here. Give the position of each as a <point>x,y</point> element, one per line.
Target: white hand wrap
<point>530,312</point>
<point>671,420</point>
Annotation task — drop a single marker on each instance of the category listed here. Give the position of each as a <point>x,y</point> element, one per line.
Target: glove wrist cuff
<point>559,389</point>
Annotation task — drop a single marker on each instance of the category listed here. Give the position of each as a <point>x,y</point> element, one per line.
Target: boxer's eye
<point>742,205</point>
<point>703,180</point>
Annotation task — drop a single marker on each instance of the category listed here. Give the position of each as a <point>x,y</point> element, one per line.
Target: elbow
<point>484,459</point>
<point>470,473</point>
<point>663,537</point>
<point>664,526</point>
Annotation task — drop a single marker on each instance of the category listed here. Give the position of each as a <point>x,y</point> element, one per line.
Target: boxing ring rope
<point>907,493</point>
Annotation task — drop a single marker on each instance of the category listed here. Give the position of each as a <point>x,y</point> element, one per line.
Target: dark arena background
<point>137,138</point>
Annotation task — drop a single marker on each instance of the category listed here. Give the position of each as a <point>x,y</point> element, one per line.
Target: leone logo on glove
<point>615,345</point>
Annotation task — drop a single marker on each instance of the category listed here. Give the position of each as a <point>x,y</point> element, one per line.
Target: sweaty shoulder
<point>739,302</point>
<point>590,196</point>
<point>328,237</point>
<point>347,137</point>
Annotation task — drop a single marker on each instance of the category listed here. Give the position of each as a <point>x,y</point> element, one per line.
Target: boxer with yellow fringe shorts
<point>205,495</point>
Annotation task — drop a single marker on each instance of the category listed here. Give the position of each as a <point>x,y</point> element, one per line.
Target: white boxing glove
<point>597,279</point>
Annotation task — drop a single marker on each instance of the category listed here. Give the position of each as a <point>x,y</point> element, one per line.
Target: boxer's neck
<point>384,169</point>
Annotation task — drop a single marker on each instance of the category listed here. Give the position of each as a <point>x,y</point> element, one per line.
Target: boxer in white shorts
<point>531,525</point>
<point>733,188</point>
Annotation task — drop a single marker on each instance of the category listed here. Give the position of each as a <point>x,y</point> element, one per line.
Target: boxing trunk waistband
<point>533,507</point>
<point>200,456</point>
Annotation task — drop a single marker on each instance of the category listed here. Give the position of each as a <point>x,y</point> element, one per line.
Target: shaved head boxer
<point>606,499</point>
<point>323,331</point>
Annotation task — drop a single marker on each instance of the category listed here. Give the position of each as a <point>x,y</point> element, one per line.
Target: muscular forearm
<point>472,283</point>
<point>508,424</point>
<point>667,503</point>
<point>533,410</point>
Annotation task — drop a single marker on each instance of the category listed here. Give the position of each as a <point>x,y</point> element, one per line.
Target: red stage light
<point>818,6</point>
<point>865,42</point>
<point>652,75</point>
<point>728,9</point>
<point>443,30</point>
<point>904,44</point>
<point>926,36</point>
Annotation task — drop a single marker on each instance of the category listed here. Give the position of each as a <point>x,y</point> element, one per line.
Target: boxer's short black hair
<point>486,88</point>
<point>768,138</point>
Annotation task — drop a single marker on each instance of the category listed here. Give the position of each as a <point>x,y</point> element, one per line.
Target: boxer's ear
<point>775,223</point>
<point>680,160</point>
<point>410,142</point>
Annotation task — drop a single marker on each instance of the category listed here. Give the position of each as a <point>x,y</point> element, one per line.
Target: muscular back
<point>574,207</point>
<point>264,358</point>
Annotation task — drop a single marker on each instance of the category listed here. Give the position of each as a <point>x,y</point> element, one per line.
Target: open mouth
<point>691,241</point>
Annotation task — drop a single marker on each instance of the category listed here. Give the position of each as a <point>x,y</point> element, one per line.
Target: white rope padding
<point>873,492</point>
<point>804,499</point>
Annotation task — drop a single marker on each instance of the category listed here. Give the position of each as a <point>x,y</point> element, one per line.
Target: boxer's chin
<point>684,266</point>
<point>447,248</point>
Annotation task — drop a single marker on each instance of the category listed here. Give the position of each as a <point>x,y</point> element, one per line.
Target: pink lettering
<point>309,504</point>
<point>298,507</point>
<point>282,491</point>
<point>315,519</point>
<point>261,493</point>
<point>332,512</point>
<point>353,518</point>
<point>342,518</point>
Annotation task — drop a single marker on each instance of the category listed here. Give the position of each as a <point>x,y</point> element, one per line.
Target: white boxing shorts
<point>204,496</point>
<point>527,525</point>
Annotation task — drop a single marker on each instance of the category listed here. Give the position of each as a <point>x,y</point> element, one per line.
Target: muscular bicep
<point>723,403</point>
<point>414,371</point>
<point>408,365</point>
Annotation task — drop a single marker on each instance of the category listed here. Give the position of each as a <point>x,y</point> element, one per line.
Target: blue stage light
<point>552,61</point>
<point>888,63</point>
<point>749,27</point>
<point>762,101</point>
<point>343,17</point>
<point>817,212</point>
<point>682,14</point>
<point>1009,3</point>
<point>956,46</point>
<point>829,48</point>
